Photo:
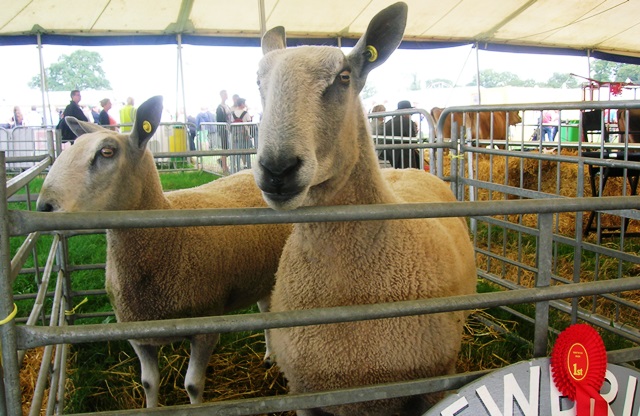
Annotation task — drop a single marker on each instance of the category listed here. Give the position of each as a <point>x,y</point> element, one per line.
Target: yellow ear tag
<point>372,53</point>
<point>146,126</point>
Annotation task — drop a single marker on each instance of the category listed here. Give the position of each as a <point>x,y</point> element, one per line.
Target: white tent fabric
<point>565,26</point>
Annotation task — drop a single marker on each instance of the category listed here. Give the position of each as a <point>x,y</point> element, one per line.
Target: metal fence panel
<point>23,141</point>
<point>531,219</point>
<point>580,161</point>
<point>4,139</point>
<point>237,143</point>
<point>398,136</point>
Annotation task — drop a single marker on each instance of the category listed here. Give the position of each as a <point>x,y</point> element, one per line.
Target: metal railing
<point>510,211</point>
<point>401,137</point>
<point>234,144</point>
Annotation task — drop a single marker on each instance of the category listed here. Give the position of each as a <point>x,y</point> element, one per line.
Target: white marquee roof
<point>605,27</point>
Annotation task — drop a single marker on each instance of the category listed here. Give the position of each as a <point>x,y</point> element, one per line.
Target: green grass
<point>181,180</point>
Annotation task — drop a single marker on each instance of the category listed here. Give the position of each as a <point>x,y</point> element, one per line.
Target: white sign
<point>527,389</point>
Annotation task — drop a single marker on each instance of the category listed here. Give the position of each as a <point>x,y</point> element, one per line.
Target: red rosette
<point>615,88</point>
<point>578,365</point>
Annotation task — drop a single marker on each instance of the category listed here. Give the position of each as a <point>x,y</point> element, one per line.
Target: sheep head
<point>313,117</point>
<point>99,170</point>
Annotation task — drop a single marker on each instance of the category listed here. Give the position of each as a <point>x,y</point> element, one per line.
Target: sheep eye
<point>345,77</point>
<point>107,152</point>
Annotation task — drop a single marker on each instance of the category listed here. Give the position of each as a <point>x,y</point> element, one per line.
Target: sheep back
<point>164,273</point>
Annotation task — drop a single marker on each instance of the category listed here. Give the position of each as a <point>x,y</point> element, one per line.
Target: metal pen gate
<point>568,168</point>
<point>519,228</point>
<point>23,143</point>
<point>399,135</point>
<point>232,146</point>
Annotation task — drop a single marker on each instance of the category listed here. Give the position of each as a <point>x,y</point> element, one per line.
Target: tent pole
<point>589,72</point>
<point>43,85</point>
<point>180,82</point>
<point>478,73</point>
<point>262,18</point>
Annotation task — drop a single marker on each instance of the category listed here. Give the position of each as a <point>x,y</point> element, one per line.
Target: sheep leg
<point>149,371</point>
<point>264,305</point>
<point>201,349</point>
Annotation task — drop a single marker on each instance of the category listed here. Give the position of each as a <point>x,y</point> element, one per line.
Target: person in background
<point>87,111</point>
<point>241,134</point>
<point>58,116</point>
<point>204,116</point>
<point>377,131</point>
<point>223,115</point>
<point>73,109</point>
<point>235,99</point>
<point>33,118</point>
<point>549,124</point>
<point>127,115</point>
<point>105,119</point>
<point>95,113</point>
<point>403,126</point>
<point>191,129</point>
<point>377,123</point>
<point>17,119</point>
<point>241,114</point>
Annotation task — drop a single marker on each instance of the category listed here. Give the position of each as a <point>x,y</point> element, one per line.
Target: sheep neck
<point>150,193</point>
<point>150,196</point>
<point>364,185</point>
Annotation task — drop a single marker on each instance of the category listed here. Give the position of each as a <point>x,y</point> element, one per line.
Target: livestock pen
<point>527,203</point>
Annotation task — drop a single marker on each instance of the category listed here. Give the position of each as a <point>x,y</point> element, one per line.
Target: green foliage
<point>603,70</point>
<point>606,71</point>
<point>600,70</point>
<point>81,70</point>
<point>368,91</point>
<point>559,80</point>
<point>628,72</point>
<point>490,78</point>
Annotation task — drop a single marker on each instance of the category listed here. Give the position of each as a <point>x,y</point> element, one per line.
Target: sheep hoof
<point>267,363</point>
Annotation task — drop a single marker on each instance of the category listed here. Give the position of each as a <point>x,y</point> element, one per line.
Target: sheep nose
<point>279,176</point>
<point>44,206</point>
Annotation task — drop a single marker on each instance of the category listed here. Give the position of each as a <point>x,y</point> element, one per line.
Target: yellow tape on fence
<point>6,321</point>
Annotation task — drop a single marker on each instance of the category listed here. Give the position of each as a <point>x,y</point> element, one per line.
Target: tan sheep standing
<point>165,273</point>
<point>315,149</point>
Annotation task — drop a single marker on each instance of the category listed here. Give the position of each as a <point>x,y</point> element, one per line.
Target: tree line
<point>602,71</point>
<point>82,70</point>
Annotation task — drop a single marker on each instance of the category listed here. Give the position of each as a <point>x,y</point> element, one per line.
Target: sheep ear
<point>382,38</point>
<point>79,127</point>
<point>274,39</point>
<point>146,122</point>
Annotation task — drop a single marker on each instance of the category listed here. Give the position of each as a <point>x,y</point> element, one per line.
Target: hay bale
<point>524,173</point>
